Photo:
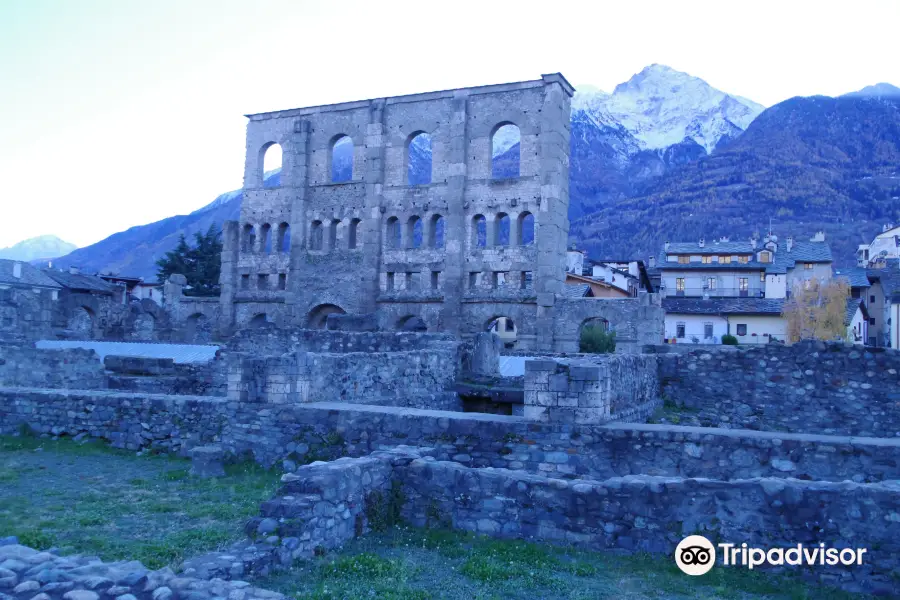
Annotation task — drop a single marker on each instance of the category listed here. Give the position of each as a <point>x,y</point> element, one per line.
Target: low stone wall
<point>302,433</point>
<point>653,514</point>
<point>602,389</point>
<point>70,368</point>
<point>810,387</point>
<point>271,341</point>
<point>164,376</point>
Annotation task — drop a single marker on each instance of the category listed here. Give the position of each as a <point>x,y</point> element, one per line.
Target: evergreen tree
<point>200,263</point>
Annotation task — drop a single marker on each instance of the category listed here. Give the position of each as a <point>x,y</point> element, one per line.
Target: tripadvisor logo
<point>695,555</point>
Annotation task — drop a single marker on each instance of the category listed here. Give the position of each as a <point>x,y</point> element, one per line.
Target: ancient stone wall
<point>164,376</point>
<point>316,431</point>
<point>26,314</point>
<point>811,387</point>
<point>591,390</point>
<point>71,368</point>
<point>275,341</point>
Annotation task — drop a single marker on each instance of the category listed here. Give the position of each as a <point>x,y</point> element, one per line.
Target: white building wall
<point>694,326</point>
<point>858,330</point>
<point>776,286</point>
<point>760,328</point>
<point>611,277</point>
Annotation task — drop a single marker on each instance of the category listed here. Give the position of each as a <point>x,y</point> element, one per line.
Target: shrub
<point>729,340</point>
<point>596,340</point>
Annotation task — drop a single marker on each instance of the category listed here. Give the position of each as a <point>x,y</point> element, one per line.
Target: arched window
<point>393,233</point>
<point>315,235</point>
<point>341,159</point>
<point>505,151</point>
<point>259,320</point>
<point>525,234</point>
<point>332,233</point>
<point>414,232</point>
<point>265,242</point>
<point>352,234</point>
<point>284,238</point>
<point>248,239</point>
<point>418,165</point>
<point>501,230</point>
<point>436,232</point>
<point>270,165</point>
<point>479,231</point>
<point>504,328</point>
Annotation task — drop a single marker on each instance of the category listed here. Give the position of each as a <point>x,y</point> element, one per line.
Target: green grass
<point>414,564</point>
<point>93,499</point>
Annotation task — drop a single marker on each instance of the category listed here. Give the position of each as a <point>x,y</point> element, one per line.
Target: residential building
<point>711,289</point>
<point>27,301</point>
<point>884,284</point>
<point>864,291</point>
<point>605,279</point>
<point>885,245</point>
<point>857,321</point>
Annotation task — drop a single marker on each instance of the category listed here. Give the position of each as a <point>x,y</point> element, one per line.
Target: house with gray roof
<point>27,301</point>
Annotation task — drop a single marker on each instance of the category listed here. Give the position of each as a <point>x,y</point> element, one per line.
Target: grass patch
<point>93,499</point>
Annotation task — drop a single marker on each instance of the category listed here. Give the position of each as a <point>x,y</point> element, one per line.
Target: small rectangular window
<point>510,326</point>
<point>742,329</point>
<point>762,276</point>
<point>683,260</point>
<point>725,259</point>
<point>526,280</point>
<point>743,284</point>
<point>435,280</point>
<point>871,299</point>
<point>706,260</point>
<point>679,284</point>
<point>262,282</point>
<point>495,279</point>
<point>473,280</point>
<point>871,320</point>
<point>410,281</point>
<point>743,259</point>
<point>245,282</point>
<point>807,266</point>
<point>710,283</point>
<point>679,330</point>
<point>282,281</point>
<point>389,282</point>
<point>707,330</point>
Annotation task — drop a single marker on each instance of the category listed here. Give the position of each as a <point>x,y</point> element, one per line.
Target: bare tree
<point>816,310</point>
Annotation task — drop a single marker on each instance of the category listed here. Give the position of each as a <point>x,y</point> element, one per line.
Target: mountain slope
<point>37,248</point>
<point>879,90</point>
<point>808,164</point>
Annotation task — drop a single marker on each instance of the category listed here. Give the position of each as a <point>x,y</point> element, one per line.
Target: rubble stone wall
<point>70,368</point>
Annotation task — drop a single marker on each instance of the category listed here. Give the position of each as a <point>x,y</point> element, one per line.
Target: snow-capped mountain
<point>879,90</point>
<point>37,248</point>
<point>660,107</point>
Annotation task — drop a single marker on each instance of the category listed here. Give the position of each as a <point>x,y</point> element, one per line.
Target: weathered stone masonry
<point>315,246</point>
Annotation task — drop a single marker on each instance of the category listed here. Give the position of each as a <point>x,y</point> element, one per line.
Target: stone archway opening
<point>318,316</point>
<point>260,320</point>
<point>504,328</point>
<point>412,323</point>
<point>596,336</point>
<point>198,329</point>
<point>81,323</point>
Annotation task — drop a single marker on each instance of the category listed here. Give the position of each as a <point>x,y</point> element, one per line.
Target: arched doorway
<point>260,320</point>
<point>412,323</point>
<point>198,329</point>
<point>317,316</point>
<point>81,323</point>
<point>144,328</point>
<point>504,328</point>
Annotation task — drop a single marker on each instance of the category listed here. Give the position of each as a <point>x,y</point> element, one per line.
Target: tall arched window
<point>270,165</point>
<point>414,232</point>
<point>315,235</point>
<point>341,159</point>
<point>352,234</point>
<point>436,232</point>
<point>284,238</point>
<point>501,230</point>
<point>393,233</point>
<point>332,234</point>
<point>418,155</point>
<point>525,235</point>
<point>505,151</point>
<point>248,239</point>
<point>265,242</point>
<point>479,231</point>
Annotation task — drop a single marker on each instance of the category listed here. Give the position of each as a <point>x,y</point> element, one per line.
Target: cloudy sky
<point>123,112</point>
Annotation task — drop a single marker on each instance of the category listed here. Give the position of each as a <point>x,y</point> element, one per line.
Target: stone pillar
<point>173,291</point>
<point>294,176</point>
<point>552,220</point>
<point>486,354</point>
<point>566,392</point>
<point>228,276</point>
<point>373,223</point>
<point>246,379</point>
<point>454,275</point>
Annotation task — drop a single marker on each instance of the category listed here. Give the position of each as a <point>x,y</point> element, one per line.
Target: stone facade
<point>451,255</point>
<point>73,368</point>
<point>809,387</point>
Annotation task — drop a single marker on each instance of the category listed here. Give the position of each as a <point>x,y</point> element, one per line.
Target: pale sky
<point>123,112</point>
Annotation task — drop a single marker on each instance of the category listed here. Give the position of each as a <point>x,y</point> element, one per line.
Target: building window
<point>509,325</point>
<point>742,284</point>
<point>871,320</point>
<point>725,260</point>
<point>683,260</point>
<point>765,257</point>
<point>410,281</point>
<point>807,266</point>
<point>710,283</point>
<point>679,330</point>
<point>679,285</point>
<point>742,329</point>
<point>435,280</point>
<point>473,280</point>
<point>707,330</point>
<point>262,282</point>
<point>282,281</point>
<point>526,279</point>
<point>706,259</point>
<point>389,282</point>
<point>871,299</point>
<point>743,259</point>
<point>762,277</point>
<point>245,282</point>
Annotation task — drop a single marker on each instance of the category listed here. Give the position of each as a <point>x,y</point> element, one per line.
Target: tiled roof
<point>856,276</point>
<point>853,305</point>
<point>72,281</point>
<point>889,278</point>
<point>801,251</point>
<point>577,290</point>
<point>723,306</point>
<point>710,248</point>
<point>31,276</point>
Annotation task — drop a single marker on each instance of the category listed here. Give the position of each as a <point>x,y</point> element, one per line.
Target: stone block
<point>207,461</point>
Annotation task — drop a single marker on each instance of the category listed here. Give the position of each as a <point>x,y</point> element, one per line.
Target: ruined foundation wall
<point>311,432</point>
<point>818,387</point>
<point>71,368</point>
